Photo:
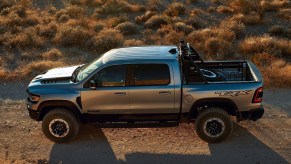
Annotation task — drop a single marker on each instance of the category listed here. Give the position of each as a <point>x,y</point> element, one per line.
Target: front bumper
<point>33,114</point>
<point>253,114</point>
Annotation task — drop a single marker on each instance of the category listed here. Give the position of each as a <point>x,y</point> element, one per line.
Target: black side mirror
<point>92,84</point>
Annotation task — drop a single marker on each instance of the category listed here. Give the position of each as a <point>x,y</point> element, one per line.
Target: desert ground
<point>264,141</point>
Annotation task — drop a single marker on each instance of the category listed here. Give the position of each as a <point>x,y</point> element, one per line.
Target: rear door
<point>152,89</point>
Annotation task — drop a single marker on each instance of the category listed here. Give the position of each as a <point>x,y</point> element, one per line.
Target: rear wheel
<point>60,125</point>
<point>213,125</point>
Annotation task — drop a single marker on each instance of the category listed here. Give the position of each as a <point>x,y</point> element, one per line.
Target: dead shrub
<point>99,26</point>
<point>156,21</point>
<point>36,68</point>
<point>47,30</point>
<point>127,28</point>
<point>263,59</point>
<point>64,18</point>
<point>72,36</point>
<point>244,6</point>
<point>133,42</point>
<point>274,5</point>
<point>224,9</point>
<point>175,9</point>
<point>26,39</point>
<point>114,21</point>
<point>181,26</point>
<point>252,19</point>
<point>53,55</point>
<point>168,35</point>
<point>72,11</point>
<point>112,7</point>
<point>215,42</point>
<point>105,40</point>
<point>3,74</point>
<point>196,22</point>
<point>238,28</point>
<point>266,44</point>
<point>143,18</point>
<point>285,14</point>
<point>94,3</point>
<point>5,4</point>
<point>278,30</point>
<point>276,72</point>
<point>218,48</point>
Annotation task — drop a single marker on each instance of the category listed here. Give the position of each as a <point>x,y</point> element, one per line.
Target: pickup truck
<point>147,86</point>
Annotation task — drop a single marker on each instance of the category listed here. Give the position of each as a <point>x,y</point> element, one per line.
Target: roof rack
<point>187,58</point>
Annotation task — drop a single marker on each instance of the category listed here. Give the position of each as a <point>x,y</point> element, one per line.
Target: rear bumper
<point>253,114</point>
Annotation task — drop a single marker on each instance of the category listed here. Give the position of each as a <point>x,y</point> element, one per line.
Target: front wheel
<point>60,125</point>
<point>213,125</point>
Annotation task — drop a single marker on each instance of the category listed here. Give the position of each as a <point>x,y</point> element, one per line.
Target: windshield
<point>88,69</point>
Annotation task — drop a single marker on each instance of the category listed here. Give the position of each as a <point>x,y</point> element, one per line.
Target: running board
<point>137,124</point>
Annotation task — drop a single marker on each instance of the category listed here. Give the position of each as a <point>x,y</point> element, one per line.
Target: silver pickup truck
<point>147,86</point>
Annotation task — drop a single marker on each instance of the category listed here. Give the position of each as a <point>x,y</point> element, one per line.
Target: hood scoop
<point>56,80</point>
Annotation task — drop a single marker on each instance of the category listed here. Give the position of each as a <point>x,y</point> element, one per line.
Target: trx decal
<point>233,93</point>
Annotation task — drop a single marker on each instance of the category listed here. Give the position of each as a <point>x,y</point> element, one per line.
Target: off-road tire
<point>63,117</point>
<point>210,118</point>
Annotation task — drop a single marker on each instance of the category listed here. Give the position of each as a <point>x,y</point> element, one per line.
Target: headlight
<point>34,98</point>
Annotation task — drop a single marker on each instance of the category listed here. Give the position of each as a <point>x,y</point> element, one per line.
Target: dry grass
<point>175,9</point>
<point>53,55</point>
<point>36,68</point>
<point>266,44</point>
<point>80,30</point>
<point>112,7</point>
<point>143,18</point>
<point>215,42</point>
<point>273,68</point>
<point>133,42</point>
<point>73,36</point>
<point>106,40</point>
<point>182,27</point>
<point>278,30</point>
<point>127,28</point>
<point>238,28</point>
<point>26,39</point>
<point>285,13</point>
<point>251,19</point>
<point>157,21</point>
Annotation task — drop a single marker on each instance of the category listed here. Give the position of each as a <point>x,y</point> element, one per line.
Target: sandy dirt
<point>265,141</point>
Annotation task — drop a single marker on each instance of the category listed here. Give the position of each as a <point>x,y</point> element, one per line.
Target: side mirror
<point>92,84</point>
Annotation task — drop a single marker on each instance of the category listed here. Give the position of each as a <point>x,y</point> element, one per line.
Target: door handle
<point>120,94</point>
<point>165,92</point>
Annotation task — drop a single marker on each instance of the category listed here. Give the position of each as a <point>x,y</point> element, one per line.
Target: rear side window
<point>151,74</point>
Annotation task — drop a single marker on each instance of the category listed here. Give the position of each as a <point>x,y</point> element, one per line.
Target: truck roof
<point>141,53</point>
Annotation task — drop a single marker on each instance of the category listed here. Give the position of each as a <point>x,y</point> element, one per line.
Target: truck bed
<point>225,71</point>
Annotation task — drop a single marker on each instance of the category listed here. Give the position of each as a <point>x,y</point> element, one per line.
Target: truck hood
<point>57,73</point>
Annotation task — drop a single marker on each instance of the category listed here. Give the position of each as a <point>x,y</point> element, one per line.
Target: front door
<point>152,90</point>
<point>111,94</point>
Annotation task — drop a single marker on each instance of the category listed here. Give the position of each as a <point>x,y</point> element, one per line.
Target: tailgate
<point>255,72</point>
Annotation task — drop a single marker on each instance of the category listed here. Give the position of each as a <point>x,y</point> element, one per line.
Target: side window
<point>151,74</point>
<point>112,76</point>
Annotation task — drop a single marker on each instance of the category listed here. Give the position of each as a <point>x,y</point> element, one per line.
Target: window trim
<point>87,83</point>
<point>132,72</point>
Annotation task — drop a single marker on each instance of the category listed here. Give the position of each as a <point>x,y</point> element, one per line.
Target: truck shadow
<point>92,146</point>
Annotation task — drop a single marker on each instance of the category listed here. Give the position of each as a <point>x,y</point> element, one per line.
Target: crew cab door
<point>111,94</point>
<point>152,90</point>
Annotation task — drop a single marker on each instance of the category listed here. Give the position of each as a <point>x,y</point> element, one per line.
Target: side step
<point>137,124</point>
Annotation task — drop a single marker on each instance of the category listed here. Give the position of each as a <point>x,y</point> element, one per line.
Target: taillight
<point>258,97</point>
